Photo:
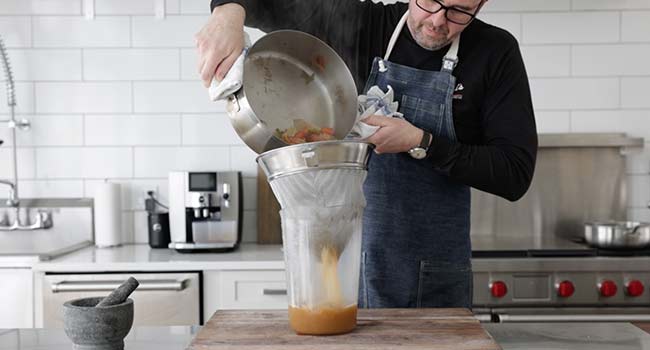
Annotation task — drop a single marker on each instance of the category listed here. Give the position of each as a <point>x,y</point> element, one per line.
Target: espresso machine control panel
<point>205,210</point>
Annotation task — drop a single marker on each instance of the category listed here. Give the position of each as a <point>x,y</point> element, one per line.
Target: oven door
<point>161,299</point>
<point>569,314</point>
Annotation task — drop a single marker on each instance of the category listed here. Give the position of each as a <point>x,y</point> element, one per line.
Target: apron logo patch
<point>458,92</point>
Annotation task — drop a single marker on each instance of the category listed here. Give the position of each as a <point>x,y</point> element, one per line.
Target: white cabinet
<point>244,290</point>
<point>17,295</point>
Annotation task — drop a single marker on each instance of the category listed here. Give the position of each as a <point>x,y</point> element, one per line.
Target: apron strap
<point>449,62</point>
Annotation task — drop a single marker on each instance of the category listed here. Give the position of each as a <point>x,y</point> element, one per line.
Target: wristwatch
<point>420,152</point>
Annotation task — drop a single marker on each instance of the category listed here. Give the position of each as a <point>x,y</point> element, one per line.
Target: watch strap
<point>426,140</point>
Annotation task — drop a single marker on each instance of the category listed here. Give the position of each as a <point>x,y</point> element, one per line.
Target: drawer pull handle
<point>107,286</point>
<point>266,291</point>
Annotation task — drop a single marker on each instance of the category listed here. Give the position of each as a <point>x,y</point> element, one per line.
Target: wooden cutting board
<point>377,329</point>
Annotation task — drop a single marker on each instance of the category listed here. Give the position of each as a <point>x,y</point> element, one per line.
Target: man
<point>474,127</point>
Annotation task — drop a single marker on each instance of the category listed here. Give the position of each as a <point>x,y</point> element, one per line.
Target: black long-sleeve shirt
<point>493,114</point>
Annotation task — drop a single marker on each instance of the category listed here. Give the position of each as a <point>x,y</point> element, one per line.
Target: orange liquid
<point>323,321</point>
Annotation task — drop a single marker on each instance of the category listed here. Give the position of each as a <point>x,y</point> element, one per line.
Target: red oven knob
<point>607,288</point>
<point>498,289</point>
<point>634,288</point>
<point>565,289</point>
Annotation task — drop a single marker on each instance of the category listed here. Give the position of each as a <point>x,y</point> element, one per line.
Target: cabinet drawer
<point>265,289</point>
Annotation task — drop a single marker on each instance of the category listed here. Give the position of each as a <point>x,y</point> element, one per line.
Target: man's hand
<point>394,135</point>
<point>220,42</point>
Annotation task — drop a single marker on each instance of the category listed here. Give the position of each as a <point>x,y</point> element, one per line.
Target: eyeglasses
<point>452,14</point>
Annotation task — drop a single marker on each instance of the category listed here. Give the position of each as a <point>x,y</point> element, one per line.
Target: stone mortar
<point>97,328</point>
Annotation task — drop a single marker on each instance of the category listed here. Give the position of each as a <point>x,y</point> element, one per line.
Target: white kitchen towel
<point>375,102</point>
<point>232,82</point>
<point>108,215</point>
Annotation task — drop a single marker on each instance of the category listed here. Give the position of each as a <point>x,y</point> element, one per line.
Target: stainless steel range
<point>559,281</point>
<point>529,260</point>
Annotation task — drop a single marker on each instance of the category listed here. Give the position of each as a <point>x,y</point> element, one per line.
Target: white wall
<point>118,96</point>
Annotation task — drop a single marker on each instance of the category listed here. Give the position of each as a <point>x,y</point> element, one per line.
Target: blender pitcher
<point>319,188</point>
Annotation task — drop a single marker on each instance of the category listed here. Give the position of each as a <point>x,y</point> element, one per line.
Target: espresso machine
<point>205,211</point>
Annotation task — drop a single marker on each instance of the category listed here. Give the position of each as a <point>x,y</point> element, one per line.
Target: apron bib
<point>416,245</point>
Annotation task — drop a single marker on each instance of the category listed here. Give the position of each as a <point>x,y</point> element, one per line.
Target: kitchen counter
<point>139,338</point>
<point>141,257</point>
<point>529,336</point>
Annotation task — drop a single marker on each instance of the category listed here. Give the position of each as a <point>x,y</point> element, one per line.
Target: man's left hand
<point>394,135</point>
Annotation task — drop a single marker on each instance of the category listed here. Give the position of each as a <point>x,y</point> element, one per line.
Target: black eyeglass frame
<point>447,8</point>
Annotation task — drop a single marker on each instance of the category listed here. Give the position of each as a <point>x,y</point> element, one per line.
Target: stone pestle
<point>120,293</point>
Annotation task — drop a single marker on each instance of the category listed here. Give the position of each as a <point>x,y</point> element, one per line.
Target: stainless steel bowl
<point>313,156</point>
<point>290,75</point>
<point>618,234</point>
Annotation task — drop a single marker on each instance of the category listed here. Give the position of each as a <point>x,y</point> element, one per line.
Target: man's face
<point>433,31</point>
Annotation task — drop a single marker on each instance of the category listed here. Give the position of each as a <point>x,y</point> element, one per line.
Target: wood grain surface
<point>377,329</point>
<point>269,230</point>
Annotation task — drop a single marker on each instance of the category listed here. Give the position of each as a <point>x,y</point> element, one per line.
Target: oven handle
<point>108,286</point>
<point>507,318</point>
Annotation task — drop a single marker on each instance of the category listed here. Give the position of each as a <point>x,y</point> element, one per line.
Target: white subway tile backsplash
<point>16,31</point>
<point>250,193</point>
<point>157,162</point>
<point>83,97</point>
<point>249,226</point>
<point>638,191</point>
<point>508,21</point>
<point>209,129</point>
<point>125,7</point>
<point>104,130</point>
<point>45,64</point>
<point>48,130</point>
<point>553,122</point>
<point>25,160</point>
<point>638,161</point>
<point>131,64</point>
<point>195,7</point>
<point>575,27</point>
<point>134,192</point>
<point>242,159</point>
<point>526,5</point>
<point>171,97</point>
<point>190,65</point>
<point>635,92</point>
<point>40,7</point>
<point>635,123</point>
<point>140,227</point>
<point>127,227</point>
<point>610,4</point>
<point>173,31</point>
<point>77,31</point>
<point>575,93</point>
<point>24,94</point>
<point>611,60</point>
<point>635,26</point>
<point>547,60</point>
<point>172,7</point>
<point>51,189</point>
<point>88,163</point>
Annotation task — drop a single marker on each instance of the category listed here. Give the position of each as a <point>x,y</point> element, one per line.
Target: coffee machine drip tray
<point>183,247</point>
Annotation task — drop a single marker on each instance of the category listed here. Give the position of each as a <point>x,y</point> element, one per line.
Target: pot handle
<point>232,105</point>
<point>634,230</point>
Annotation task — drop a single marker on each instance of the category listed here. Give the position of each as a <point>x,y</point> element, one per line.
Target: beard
<point>430,38</point>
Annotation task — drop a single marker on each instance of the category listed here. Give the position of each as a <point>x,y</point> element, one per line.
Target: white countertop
<point>141,257</point>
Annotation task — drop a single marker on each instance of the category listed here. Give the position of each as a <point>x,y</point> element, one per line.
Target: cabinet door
<point>17,295</point>
<point>244,290</point>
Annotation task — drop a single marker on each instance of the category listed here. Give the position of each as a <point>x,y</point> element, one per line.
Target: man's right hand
<point>220,42</point>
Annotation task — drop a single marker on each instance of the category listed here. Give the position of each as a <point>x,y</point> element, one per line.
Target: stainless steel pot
<point>313,156</point>
<point>291,75</point>
<point>618,234</point>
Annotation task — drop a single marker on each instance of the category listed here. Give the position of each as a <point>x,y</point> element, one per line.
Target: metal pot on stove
<point>618,234</point>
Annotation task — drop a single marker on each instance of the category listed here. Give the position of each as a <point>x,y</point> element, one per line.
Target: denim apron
<point>416,246</point>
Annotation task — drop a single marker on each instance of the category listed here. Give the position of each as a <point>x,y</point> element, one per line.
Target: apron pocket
<point>444,285</point>
<point>424,114</point>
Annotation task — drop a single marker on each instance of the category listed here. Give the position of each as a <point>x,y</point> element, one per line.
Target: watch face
<point>418,153</point>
